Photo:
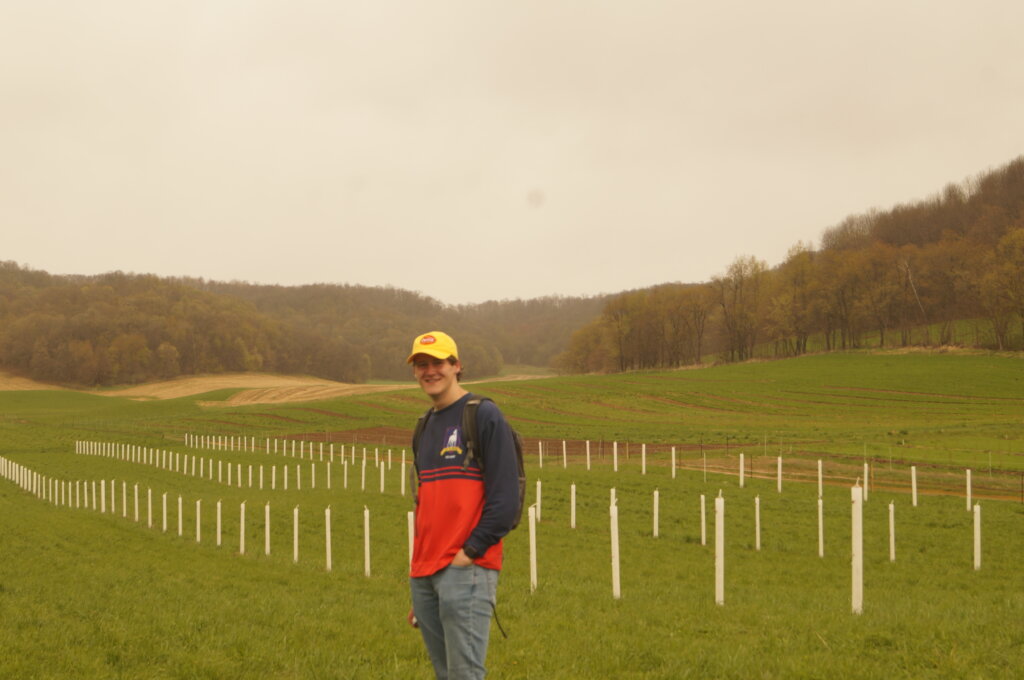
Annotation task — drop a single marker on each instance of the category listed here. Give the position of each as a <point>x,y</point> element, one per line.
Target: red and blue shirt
<point>461,505</point>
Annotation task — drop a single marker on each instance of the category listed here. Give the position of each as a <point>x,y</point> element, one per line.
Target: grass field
<point>86,594</point>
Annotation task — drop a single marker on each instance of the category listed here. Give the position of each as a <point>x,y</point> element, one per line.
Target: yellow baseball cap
<point>436,344</point>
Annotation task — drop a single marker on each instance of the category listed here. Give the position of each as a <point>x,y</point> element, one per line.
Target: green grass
<point>88,595</point>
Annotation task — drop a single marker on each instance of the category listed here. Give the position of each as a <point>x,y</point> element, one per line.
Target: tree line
<point>120,328</point>
<point>906,276</point>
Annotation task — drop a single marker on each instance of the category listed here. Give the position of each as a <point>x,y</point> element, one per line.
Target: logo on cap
<point>428,340</point>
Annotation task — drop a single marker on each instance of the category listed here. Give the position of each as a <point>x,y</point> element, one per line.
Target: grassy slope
<point>91,595</point>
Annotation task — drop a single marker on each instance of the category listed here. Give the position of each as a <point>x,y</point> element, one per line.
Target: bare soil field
<point>13,383</point>
<point>256,388</point>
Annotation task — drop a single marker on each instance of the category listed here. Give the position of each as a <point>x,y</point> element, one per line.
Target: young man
<point>461,515</point>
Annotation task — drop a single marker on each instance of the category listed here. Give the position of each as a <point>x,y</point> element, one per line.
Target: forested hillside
<point>122,328</point>
<point>910,275</point>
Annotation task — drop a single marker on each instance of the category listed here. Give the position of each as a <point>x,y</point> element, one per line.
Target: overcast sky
<point>475,150</point>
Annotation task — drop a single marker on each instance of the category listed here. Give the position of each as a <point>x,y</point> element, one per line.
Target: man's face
<point>435,376</point>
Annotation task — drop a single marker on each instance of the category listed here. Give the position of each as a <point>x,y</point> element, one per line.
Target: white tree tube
<point>656,509</point>
<point>616,575</point>
<point>821,528</point>
<point>892,531</point>
<point>411,521</point>
<point>719,550</point>
<point>241,529</point>
<point>295,531</point>
<point>572,506</point>
<point>867,474</point>
<point>857,548</point>
<point>742,472</point>
<point>977,537</point>
<point>537,503</point>
<point>327,532</point>
<point>532,516</point>
<point>757,522</point>
<point>703,522</point>
<point>266,528</point>
<point>913,485</point>
<point>366,537</point>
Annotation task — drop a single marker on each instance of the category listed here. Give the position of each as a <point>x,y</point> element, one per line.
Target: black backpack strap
<point>414,472</point>
<point>418,432</point>
<point>470,433</point>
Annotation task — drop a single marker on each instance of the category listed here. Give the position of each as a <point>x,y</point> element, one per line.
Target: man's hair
<point>453,361</point>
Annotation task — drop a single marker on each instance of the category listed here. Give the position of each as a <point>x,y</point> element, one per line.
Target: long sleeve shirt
<point>472,506</point>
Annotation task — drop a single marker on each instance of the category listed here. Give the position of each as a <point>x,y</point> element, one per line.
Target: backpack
<point>474,449</point>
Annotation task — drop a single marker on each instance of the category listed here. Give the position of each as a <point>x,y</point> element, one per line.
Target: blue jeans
<point>454,609</point>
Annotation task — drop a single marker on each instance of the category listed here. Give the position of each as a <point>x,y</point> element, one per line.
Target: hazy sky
<point>475,150</point>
